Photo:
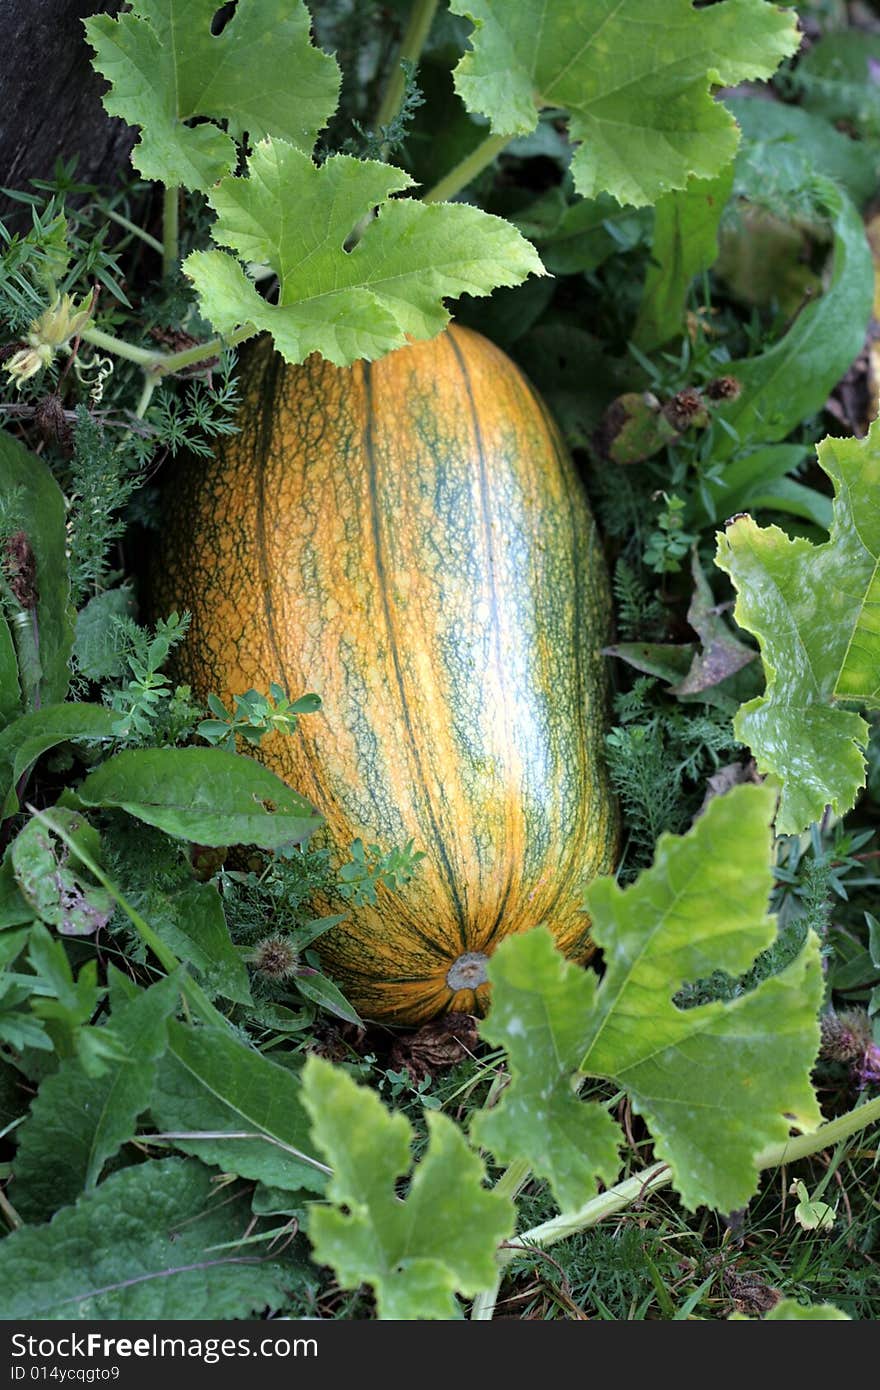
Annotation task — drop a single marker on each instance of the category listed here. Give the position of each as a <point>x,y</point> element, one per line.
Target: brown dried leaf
<point>435,1045</point>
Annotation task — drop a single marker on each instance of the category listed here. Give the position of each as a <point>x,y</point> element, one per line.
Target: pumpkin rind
<point>409,539</point>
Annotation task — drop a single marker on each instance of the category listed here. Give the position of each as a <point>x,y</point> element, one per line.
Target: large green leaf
<point>261,75</point>
<point>417,1253</point>
<point>205,795</point>
<point>541,1013</point>
<point>297,217</point>
<point>77,1122</point>
<point>718,1083</point>
<point>815,610</point>
<point>152,1242</point>
<point>35,506</point>
<point>634,75</point>
<point>248,1107</point>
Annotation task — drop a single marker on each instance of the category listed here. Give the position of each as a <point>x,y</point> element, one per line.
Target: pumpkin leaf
<point>716,1083</point>
<point>248,1108</point>
<point>814,610</point>
<point>297,217</point>
<point>719,1082</point>
<point>541,1013</point>
<point>261,75</point>
<point>205,795</point>
<point>417,1253</point>
<point>634,76</point>
<point>789,1310</point>
<point>153,1241</point>
<point>34,509</point>
<point>77,1122</point>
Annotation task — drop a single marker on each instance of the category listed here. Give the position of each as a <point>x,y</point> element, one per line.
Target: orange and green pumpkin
<point>409,539</point>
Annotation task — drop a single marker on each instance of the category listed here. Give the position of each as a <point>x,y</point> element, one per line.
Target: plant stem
<point>411,45</point>
<point>822,1138</point>
<point>168,362</point>
<point>142,356</point>
<point>465,172</point>
<point>162,364</point>
<point>151,381</point>
<point>631,1190</point>
<point>170,230</point>
<point>510,1182</point>
<point>138,231</point>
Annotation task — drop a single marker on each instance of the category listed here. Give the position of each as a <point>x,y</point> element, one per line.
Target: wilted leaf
<point>60,894</point>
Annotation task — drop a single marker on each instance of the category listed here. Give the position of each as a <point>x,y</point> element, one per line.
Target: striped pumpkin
<point>409,539</point>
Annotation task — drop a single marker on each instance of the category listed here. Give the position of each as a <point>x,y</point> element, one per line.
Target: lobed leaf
<point>261,75</point>
<point>346,304</point>
<point>417,1253</point>
<point>815,610</point>
<point>634,76</point>
<point>718,1083</point>
<point>541,1013</point>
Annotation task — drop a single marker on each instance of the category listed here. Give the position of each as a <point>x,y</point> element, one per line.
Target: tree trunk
<point>50,97</point>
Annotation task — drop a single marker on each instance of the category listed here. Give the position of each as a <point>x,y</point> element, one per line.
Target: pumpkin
<point>409,539</point>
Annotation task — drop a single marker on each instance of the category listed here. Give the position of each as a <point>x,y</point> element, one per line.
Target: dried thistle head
<point>276,957</point>
<point>846,1036</point>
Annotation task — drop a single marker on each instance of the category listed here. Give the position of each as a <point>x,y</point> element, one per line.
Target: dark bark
<point>50,96</point>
